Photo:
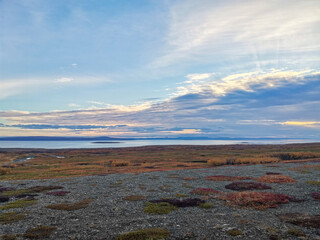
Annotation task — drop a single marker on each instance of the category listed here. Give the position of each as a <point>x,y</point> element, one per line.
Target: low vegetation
<point>245,186</point>
<point>187,202</point>
<point>159,208</point>
<point>276,179</point>
<point>18,204</point>
<point>206,205</point>
<point>58,193</point>
<point>134,198</point>
<point>39,232</point>
<point>257,200</point>
<point>234,232</point>
<point>219,178</point>
<point>71,206</point>
<point>316,195</point>
<point>316,183</point>
<point>82,162</point>
<point>301,219</point>
<point>10,217</point>
<point>145,234</point>
<point>205,191</point>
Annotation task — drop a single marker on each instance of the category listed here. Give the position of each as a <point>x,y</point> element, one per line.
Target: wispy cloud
<point>65,79</point>
<point>199,29</point>
<point>302,124</point>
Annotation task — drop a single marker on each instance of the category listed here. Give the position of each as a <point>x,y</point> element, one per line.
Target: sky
<point>160,68</point>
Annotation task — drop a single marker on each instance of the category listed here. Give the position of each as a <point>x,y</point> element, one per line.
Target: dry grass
<point>276,179</point>
<point>219,178</point>
<point>134,198</point>
<point>10,217</point>
<point>145,234</point>
<point>71,206</point>
<point>81,162</point>
<point>119,163</point>
<point>39,232</point>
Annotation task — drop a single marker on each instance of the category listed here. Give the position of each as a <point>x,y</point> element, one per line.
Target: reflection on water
<point>137,143</point>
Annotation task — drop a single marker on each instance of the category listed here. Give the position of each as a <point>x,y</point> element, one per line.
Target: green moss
<point>18,204</point>
<point>313,182</point>
<point>206,205</point>
<point>234,232</point>
<point>145,234</point>
<point>134,198</point>
<point>16,192</point>
<point>39,232</point>
<point>10,217</point>
<point>159,208</point>
<point>180,195</point>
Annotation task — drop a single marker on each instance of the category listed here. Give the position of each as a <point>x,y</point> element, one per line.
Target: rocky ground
<point>108,214</point>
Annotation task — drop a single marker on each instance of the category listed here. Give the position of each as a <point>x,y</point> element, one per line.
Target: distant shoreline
<point>106,142</point>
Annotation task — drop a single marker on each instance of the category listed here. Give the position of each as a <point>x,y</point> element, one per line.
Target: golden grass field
<point>80,162</point>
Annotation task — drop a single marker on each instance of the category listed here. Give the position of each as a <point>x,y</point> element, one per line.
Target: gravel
<point>108,215</point>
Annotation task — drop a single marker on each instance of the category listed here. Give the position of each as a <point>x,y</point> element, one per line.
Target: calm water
<point>137,143</point>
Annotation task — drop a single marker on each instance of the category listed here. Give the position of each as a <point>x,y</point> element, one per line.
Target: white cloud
<point>248,82</point>
<point>65,79</point>
<point>231,29</point>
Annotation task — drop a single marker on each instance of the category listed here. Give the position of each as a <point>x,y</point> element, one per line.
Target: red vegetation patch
<point>241,186</point>
<point>190,178</point>
<point>188,202</point>
<point>58,193</point>
<point>273,173</point>
<point>276,179</point>
<point>205,191</point>
<point>316,195</point>
<point>257,200</point>
<point>301,219</point>
<point>219,178</point>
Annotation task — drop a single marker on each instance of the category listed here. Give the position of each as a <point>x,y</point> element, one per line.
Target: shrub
<point>205,191</point>
<point>313,182</point>
<point>257,200</point>
<point>188,202</point>
<point>39,232</point>
<point>240,186</point>
<point>276,179</point>
<point>70,206</point>
<point>150,233</point>
<point>134,198</point>
<point>301,219</point>
<point>296,155</point>
<point>10,217</point>
<point>272,173</point>
<point>119,163</point>
<point>219,178</point>
<point>18,204</point>
<point>3,171</point>
<point>159,208</point>
<point>234,232</point>
<point>206,205</point>
<point>181,195</point>
<point>296,232</point>
<point>316,195</point>
<point>8,237</point>
<point>58,193</point>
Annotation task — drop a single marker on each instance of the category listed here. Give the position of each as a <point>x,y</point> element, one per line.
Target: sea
<point>138,143</point>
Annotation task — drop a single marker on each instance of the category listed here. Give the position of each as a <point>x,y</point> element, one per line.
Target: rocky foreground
<point>184,204</point>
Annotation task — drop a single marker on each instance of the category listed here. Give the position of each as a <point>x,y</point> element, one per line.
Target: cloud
<point>302,124</point>
<point>231,30</point>
<point>246,104</point>
<point>65,79</point>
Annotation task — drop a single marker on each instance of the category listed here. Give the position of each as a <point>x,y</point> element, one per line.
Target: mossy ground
<point>39,232</point>
<point>159,208</point>
<point>18,204</point>
<point>10,217</point>
<point>145,234</point>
